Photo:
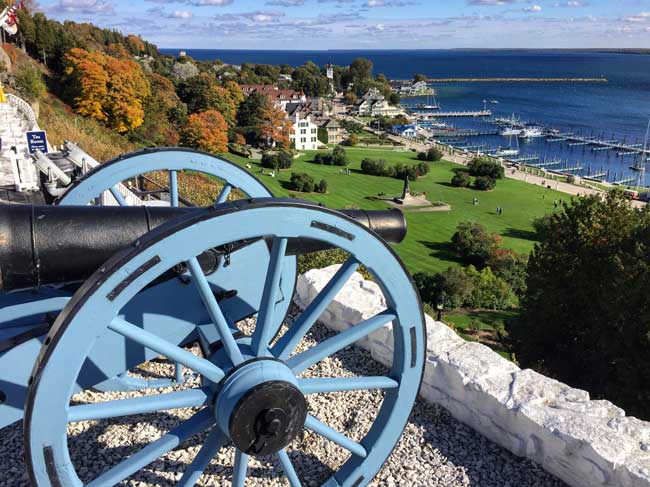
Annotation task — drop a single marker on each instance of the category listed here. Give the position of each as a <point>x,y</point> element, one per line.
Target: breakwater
<point>517,80</point>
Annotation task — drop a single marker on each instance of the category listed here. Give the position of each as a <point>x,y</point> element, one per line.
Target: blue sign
<point>37,140</point>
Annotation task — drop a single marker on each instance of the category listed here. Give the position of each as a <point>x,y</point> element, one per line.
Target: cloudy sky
<point>368,24</point>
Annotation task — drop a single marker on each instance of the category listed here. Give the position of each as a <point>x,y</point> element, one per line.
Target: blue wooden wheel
<point>252,394</point>
<point>172,160</point>
<point>108,175</point>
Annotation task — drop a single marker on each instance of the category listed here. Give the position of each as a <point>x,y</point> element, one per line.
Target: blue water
<point>617,109</point>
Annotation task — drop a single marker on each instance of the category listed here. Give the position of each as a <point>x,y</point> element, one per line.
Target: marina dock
<point>468,113</point>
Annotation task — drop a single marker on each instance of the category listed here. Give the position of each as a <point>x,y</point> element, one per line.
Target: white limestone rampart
<point>586,443</point>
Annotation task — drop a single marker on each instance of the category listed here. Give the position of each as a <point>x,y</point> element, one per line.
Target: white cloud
<point>533,8</point>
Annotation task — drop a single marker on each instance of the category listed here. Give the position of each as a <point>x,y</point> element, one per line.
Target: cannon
<point>90,292</point>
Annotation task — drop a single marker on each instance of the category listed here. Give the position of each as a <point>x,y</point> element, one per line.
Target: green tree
<point>29,82</point>
<point>586,313</point>
<point>461,179</point>
<point>473,243</point>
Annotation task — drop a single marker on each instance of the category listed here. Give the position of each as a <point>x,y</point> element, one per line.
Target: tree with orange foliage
<point>207,131</point>
<point>106,88</point>
<point>135,43</point>
<point>276,127</point>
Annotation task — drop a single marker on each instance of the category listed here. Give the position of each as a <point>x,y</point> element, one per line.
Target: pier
<point>467,114</point>
<point>461,133</point>
<point>624,148</point>
<point>524,159</point>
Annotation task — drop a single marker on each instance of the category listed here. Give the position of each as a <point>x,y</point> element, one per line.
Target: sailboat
<point>510,151</point>
<point>640,165</point>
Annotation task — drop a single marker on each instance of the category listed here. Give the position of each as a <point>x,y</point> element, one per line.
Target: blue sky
<point>368,24</point>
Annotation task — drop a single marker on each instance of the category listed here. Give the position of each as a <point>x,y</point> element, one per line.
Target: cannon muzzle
<point>42,245</point>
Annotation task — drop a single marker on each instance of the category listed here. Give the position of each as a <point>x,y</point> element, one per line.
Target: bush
<point>474,244</point>
<point>485,183</point>
<point>488,291</point>
<point>337,157</point>
<point>571,179</point>
<point>277,160</point>
<point>511,267</point>
<point>465,287</point>
<point>29,81</point>
<point>352,140</point>
<point>432,155</point>
<point>481,166</point>
<point>322,186</point>
<point>461,179</point>
<point>374,167</point>
<point>326,258</point>
<point>302,182</point>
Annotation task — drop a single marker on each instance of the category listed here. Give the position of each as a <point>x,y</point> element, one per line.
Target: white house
<point>305,133</point>
<point>373,104</point>
<point>408,131</point>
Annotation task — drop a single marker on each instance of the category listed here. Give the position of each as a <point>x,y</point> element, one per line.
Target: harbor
<point>621,158</point>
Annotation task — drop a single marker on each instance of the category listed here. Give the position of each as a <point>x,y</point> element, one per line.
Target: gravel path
<point>435,450</point>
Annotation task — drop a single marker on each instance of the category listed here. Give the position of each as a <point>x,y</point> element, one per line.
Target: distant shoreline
<point>605,50</point>
<point>516,80</point>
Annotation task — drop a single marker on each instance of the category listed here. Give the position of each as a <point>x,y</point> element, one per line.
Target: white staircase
<point>16,167</point>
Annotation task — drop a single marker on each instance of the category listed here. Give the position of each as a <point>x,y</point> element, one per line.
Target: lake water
<point>618,109</point>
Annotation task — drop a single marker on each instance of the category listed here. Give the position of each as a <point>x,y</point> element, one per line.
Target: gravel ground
<point>435,450</point>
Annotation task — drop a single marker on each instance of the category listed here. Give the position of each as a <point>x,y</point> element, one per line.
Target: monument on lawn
<point>407,188</point>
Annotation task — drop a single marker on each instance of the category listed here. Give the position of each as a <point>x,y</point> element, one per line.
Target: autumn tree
<point>207,131</point>
<point>275,127</point>
<point>164,113</point>
<point>106,89</point>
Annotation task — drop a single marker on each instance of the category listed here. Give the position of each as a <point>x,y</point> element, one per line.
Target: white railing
<point>25,108</point>
<point>88,163</point>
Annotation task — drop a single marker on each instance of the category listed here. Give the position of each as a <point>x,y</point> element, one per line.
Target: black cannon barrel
<point>42,245</point>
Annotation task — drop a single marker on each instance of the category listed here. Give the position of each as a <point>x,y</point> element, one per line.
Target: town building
<point>407,131</point>
<point>374,104</point>
<point>279,98</point>
<point>335,133</point>
<point>304,135</point>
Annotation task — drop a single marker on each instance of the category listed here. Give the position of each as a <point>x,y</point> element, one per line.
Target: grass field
<point>427,246</point>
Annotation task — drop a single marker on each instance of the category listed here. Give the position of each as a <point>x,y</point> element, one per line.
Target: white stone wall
<point>586,443</point>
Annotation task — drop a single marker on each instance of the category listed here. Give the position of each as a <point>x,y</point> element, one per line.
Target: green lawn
<point>427,246</point>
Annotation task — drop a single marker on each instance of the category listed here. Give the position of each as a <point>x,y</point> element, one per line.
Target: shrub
<point>481,166</point>
<point>461,179</point>
<point>374,167</point>
<point>326,258</point>
<point>322,186</point>
<point>352,140</point>
<point>475,326</point>
<point>465,287</point>
<point>511,267</point>
<point>337,157</point>
<point>277,160</point>
<point>571,179</point>
<point>473,243</point>
<point>488,291</point>
<point>432,155</point>
<point>322,135</point>
<point>302,182</point>
<point>29,82</point>
<point>485,183</point>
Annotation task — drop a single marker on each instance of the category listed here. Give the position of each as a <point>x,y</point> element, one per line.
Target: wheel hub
<point>260,407</point>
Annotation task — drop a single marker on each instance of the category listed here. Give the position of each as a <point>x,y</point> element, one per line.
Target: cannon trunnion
<point>89,294</point>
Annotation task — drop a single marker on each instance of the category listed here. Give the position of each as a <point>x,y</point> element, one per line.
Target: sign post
<point>37,140</point>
